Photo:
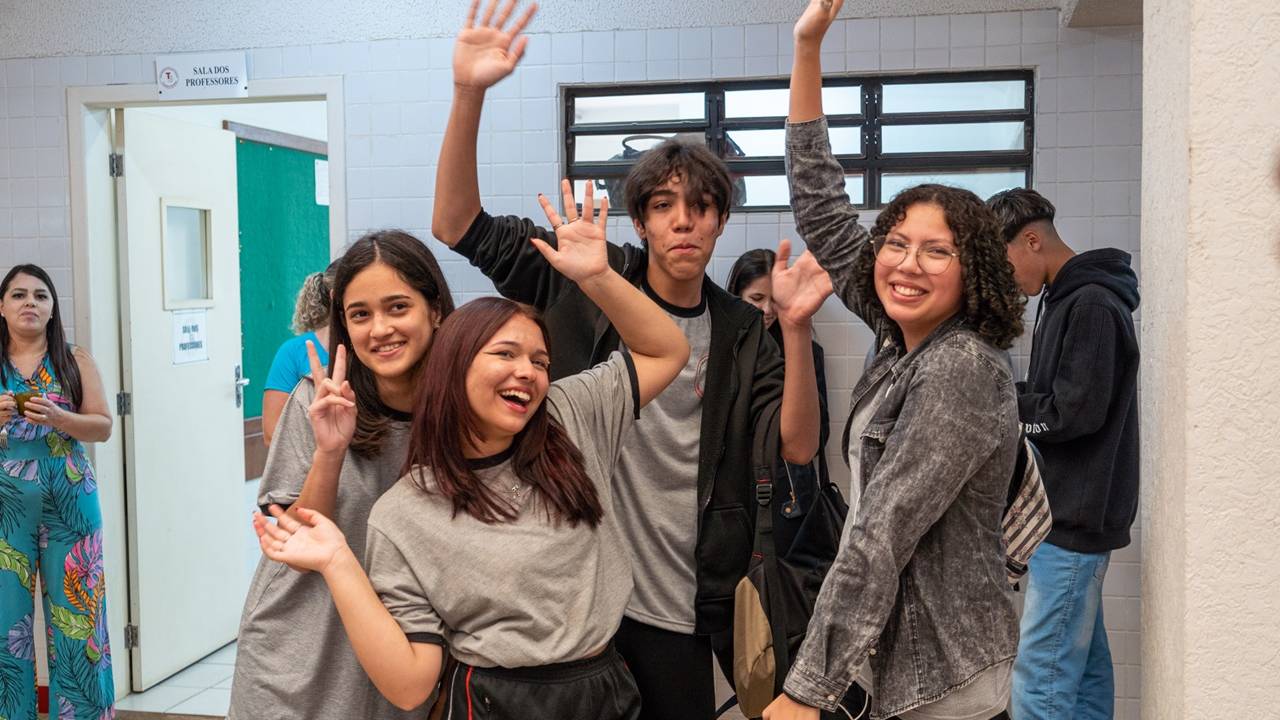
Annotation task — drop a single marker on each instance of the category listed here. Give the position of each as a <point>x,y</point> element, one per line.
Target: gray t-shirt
<point>293,659</point>
<point>519,593</point>
<point>656,493</point>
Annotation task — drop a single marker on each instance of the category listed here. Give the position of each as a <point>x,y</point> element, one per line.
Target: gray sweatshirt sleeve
<point>824,216</point>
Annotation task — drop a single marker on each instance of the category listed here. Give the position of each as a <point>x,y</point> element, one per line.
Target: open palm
<point>485,53</point>
<point>581,251</point>
<point>799,290</point>
<point>309,543</point>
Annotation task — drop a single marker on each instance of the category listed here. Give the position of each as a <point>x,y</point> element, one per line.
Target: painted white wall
<point>1210,377</point>
<point>396,95</point>
<point>305,119</point>
<point>41,29</point>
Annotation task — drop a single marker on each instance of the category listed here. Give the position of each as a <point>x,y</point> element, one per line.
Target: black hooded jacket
<point>1079,404</point>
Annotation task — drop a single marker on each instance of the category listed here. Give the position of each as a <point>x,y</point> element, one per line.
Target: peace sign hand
<point>486,53</point>
<point>581,252</point>
<point>799,290</point>
<point>333,412</point>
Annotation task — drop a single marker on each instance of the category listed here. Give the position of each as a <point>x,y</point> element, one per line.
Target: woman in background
<point>50,518</point>
<point>310,322</point>
<point>750,279</point>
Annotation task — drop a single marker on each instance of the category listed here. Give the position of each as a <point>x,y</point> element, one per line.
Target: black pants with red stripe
<point>597,688</point>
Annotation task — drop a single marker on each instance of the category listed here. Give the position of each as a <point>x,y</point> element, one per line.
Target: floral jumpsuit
<point>51,526</point>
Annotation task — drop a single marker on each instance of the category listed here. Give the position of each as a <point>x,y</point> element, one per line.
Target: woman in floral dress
<point>50,520</point>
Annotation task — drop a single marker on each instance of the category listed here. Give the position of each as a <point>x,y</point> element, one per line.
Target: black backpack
<point>774,602</point>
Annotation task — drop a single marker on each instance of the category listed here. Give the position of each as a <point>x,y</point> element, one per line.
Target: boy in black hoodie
<point>1079,405</point>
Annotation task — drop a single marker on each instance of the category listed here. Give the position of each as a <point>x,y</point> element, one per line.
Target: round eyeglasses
<point>932,259</point>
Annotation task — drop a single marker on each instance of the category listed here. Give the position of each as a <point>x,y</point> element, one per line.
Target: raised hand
<point>485,53</point>
<point>580,253</point>
<point>815,20</point>
<point>799,290</point>
<point>333,412</point>
<point>310,542</point>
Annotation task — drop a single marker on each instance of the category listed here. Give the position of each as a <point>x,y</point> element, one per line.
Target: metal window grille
<point>971,129</point>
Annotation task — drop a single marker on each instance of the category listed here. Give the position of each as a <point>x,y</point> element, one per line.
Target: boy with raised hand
<point>685,497</point>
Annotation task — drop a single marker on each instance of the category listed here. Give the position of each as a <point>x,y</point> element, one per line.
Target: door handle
<point>241,382</point>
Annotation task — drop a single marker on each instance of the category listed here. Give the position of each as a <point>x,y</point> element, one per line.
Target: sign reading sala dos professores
<point>194,76</point>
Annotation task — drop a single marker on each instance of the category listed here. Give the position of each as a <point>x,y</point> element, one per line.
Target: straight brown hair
<point>543,456</point>
<point>415,264</point>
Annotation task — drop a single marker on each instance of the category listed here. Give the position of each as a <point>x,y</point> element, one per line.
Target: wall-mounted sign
<point>202,75</point>
<point>190,336</point>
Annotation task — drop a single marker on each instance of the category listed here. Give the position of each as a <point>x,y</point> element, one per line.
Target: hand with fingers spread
<point>486,52</point>
<point>815,21</point>
<point>581,252</point>
<point>799,290</point>
<point>309,541</point>
<point>333,412</point>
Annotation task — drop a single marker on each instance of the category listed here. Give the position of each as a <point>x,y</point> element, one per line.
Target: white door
<point>184,434</point>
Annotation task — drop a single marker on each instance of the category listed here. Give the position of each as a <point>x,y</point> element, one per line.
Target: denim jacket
<point>919,583</point>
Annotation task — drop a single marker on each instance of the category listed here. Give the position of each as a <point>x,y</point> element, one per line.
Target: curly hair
<point>991,303</point>
<point>311,310</point>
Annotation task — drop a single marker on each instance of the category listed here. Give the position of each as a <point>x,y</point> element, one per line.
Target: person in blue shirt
<point>310,322</point>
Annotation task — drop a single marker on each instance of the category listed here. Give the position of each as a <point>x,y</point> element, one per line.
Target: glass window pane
<point>640,108</point>
<point>841,100</point>
<point>772,143</point>
<point>604,188</point>
<point>954,96</point>
<point>766,190</point>
<point>953,137</point>
<point>186,254</point>
<point>983,183</point>
<point>596,148</point>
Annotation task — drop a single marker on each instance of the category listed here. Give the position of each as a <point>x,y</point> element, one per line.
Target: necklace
<point>514,491</point>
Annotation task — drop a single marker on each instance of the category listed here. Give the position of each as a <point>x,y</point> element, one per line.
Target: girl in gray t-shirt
<point>340,443</point>
<point>500,541</point>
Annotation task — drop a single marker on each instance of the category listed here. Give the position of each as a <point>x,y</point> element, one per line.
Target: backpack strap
<point>766,457</point>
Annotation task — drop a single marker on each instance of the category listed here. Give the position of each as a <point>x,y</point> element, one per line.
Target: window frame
<point>870,163</point>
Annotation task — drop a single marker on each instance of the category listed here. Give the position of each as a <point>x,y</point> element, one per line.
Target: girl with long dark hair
<point>340,443</point>
<point>500,541</point>
<point>50,517</point>
<point>751,278</point>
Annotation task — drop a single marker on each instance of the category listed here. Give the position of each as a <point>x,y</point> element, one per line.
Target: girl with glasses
<point>916,607</point>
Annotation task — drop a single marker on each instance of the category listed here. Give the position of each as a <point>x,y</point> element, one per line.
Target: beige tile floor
<point>204,690</point>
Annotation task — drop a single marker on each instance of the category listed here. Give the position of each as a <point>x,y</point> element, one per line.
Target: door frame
<point>96,303</point>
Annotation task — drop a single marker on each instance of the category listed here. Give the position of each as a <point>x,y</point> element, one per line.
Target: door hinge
<point>124,404</point>
<point>130,637</point>
<point>115,164</point>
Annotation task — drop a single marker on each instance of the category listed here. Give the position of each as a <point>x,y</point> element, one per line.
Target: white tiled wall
<point>1088,91</point>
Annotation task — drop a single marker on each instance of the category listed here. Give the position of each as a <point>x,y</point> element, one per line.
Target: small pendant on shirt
<point>515,491</point>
